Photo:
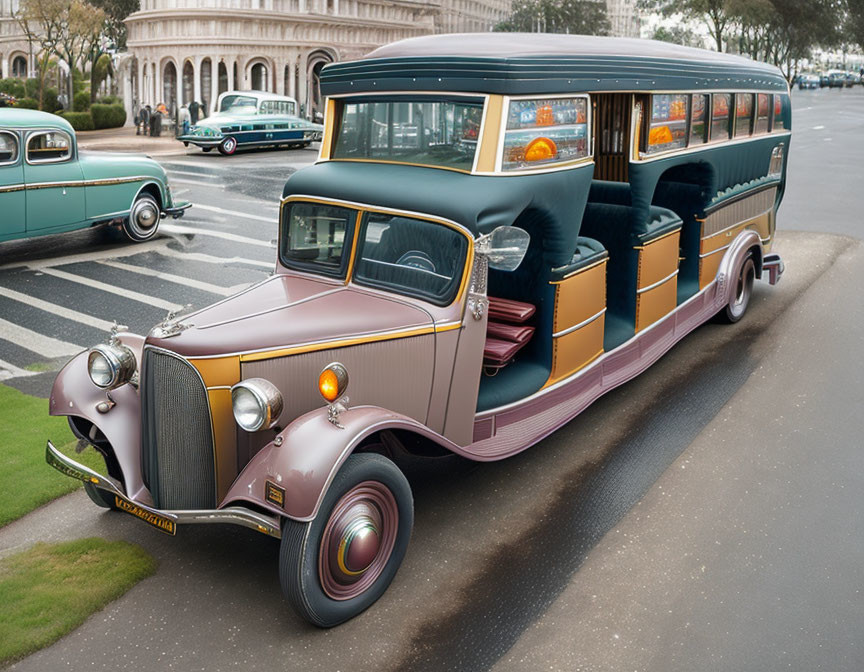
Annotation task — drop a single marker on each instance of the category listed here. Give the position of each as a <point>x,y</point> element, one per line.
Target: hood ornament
<point>169,327</point>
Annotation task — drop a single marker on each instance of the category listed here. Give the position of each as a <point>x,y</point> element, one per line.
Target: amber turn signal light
<point>541,149</point>
<point>333,381</point>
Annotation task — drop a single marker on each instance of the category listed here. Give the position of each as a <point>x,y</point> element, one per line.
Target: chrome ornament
<point>169,327</point>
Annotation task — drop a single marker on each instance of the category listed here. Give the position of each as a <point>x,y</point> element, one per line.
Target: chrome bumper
<point>774,266</point>
<point>166,521</point>
<point>177,210</point>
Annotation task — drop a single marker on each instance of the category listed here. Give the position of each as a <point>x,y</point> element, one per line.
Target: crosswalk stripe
<point>60,311</point>
<point>174,228</point>
<point>36,342</point>
<point>170,277</point>
<point>8,371</point>
<point>109,253</point>
<point>210,259</point>
<point>119,291</point>
<point>212,185</point>
<point>235,213</point>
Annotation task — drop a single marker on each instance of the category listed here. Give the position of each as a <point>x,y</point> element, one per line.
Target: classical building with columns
<point>15,54</point>
<point>184,50</point>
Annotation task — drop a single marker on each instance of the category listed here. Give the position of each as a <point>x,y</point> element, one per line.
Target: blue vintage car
<point>48,186</point>
<point>252,119</point>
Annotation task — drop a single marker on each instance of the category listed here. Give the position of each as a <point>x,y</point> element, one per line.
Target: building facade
<point>15,57</point>
<point>624,18</point>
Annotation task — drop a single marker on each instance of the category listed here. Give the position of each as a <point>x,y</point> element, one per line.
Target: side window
<point>698,126</point>
<point>779,100</point>
<point>667,128</point>
<point>267,107</point>
<point>8,148</point>
<point>763,104</point>
<point>49,147</point>
<point>743,113</point>
<point>543,132</point>
<point>720,116</point>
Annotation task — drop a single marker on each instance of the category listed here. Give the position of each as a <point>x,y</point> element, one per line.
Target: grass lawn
<point>26,481</point>
<point>50,589</point>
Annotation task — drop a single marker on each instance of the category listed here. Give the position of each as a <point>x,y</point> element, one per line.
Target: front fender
<point>305,457</point>
<point>75,394</point>
<point>730,266</point>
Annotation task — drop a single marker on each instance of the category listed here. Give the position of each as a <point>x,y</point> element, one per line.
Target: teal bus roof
<point>536,63</point>
<point>13,117</point>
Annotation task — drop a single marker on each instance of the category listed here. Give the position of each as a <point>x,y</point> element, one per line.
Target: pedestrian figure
<point>183,118</point>
<point>144,117</point>
<point>194,107</point>
<point>156,123</point>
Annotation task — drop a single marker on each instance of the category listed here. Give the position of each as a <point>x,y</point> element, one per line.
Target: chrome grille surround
<point>176,433</point>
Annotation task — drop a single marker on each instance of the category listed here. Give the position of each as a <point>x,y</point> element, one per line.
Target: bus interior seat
<point>506,332</point>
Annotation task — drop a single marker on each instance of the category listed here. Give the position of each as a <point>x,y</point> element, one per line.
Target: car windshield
<point>314,237</point>
<point>244,104</point>
<point>425,131</point>
<point>410,256</point>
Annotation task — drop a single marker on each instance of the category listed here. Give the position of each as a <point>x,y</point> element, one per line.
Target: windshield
<point>314,236</point>
<point>244,104</point>
<point>410,256</point>
<point>428,132</point>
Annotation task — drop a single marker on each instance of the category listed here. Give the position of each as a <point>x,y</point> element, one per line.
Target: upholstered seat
<point>505,332</point>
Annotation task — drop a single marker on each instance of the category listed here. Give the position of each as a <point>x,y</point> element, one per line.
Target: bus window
<point>697,119</point>
<point>544,131</point>
<point>668,126</point>
<point>743,113</point>
<point>720,116</point>
<point>763,104</point>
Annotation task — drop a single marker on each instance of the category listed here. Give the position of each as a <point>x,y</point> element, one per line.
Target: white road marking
<point>36,342</point>
<point>111,289</point>
<point>109,253</point>
<point>234,213</point>
<point>212,185</point>
<point>60,311</point>
<point>174,228</point>
<point>818,128</point>
<point>8,371</point>
<point>180,280</point>
<point>210,259</point>
<point>186,172</point>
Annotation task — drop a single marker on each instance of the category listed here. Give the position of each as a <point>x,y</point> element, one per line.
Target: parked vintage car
<point>834,79</point>
<point>465,287</point>
<point>808,80</point>
<point>252,119</point>
<point>48,186</point>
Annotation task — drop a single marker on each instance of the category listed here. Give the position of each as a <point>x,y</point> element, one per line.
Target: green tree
<point>714,14</point>
<point>677,35</point>
<point>83,26</point>
<point>43,23</point>
<point>116,12</point>
<point>576,17</point>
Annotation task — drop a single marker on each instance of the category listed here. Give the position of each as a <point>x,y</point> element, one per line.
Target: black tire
<point>303,580</point>
<point>228,146</point>
<point>143,220</point>
<point>741,294</point>
<point>206,149</point>
<point>100,497</point>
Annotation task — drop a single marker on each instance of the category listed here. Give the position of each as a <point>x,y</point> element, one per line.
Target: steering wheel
<point>417,259</point>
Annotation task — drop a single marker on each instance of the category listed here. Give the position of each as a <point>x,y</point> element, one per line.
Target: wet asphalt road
<point>706,516</point>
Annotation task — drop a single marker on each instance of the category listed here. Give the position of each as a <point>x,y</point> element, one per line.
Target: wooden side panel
<point>225,437</point>
<point>712,247</point>
<point>658,259</point>
<point>572,351</point>
<point>656,303</point>
<point>580,296</point>
<point>488,148</point>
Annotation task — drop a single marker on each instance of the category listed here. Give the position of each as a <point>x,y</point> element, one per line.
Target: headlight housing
<point>257,404</point>
<point>110,366</point>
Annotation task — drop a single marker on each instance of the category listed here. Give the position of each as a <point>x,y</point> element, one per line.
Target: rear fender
<point>301,462</point>
<point>747,242</point>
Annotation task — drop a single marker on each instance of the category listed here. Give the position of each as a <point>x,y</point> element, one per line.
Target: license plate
<point>160,522</point>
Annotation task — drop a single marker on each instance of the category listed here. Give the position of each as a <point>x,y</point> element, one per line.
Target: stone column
<point>126,84</point>
<point>214,83</point>
<point>5,65</point>
<point>302,89</point>
<point>229,68</point>
<point>141,100</point>
<point>196,74</point>
<point>157,83</point>
<point>292,82</point>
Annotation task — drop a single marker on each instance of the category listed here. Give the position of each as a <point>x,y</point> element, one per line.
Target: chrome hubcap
<point>146,216</point>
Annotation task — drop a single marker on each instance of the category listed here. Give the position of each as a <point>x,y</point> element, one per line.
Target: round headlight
<point>110,366</point>
<point>257,404</point>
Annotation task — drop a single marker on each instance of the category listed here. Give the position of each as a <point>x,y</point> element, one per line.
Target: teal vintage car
<point>47,186</point>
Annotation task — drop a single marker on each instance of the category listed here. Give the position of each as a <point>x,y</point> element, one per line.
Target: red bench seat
<point>506,333</point>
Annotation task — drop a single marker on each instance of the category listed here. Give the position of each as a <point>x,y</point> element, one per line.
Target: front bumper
<point>178,210</point>
<point>165,521</point>
<point>773,265</point>
<point>201,140</point>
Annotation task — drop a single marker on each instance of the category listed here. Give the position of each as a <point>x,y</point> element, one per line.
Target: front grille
<point>176,439</point>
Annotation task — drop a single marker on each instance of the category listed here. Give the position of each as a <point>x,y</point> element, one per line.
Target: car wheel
<point>206,149</point>
<point>143,220</point>
<point>340,563</point>
<point>100,497</point>
<point>228,146</point>
<point>742,292</point>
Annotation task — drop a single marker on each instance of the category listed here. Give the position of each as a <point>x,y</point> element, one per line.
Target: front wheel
<point>206,149</point>
<point>228,146</point>
<point>143,221</point>
<point>100,497</point>
<point>340,563</point>
<point>737,306</point>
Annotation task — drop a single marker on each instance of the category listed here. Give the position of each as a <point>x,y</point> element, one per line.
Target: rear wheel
<point>339,564</point>
<point>228,146</point>
<point>742,292</point>
<point>143,221</point>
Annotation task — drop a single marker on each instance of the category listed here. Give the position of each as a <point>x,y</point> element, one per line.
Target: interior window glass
<point>314,237</point>
<point>763,104</point>
<point>424,132</point>
<point>545,131</point>
<point>50,146</point>
<point>268,107</point>
<point>8,148</point>
<point>743,113</point>
<point>779,100</point>
<point>667,128</point>
<point>697,119</point>
<point>241,104</point>
<point>720,116</point>
<point>411,256</point>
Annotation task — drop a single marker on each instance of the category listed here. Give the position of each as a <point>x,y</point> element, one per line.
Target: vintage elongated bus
<point>500,228</point>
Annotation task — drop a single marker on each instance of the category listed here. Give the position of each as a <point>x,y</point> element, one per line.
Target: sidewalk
<point>125,140</point>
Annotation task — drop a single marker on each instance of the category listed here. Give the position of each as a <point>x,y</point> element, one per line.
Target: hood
<point>287,311</point>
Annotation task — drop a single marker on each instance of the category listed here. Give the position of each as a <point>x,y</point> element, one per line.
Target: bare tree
<point>42,21</point>
<point>84,25</point>
<point>714,14</point>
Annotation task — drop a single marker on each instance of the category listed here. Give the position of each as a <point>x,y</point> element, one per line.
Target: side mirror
<point>505,247</point>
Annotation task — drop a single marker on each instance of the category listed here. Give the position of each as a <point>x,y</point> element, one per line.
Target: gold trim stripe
<point>76,183</point>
